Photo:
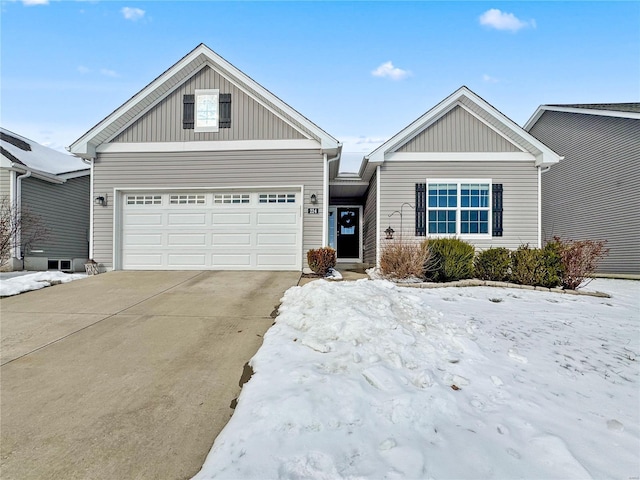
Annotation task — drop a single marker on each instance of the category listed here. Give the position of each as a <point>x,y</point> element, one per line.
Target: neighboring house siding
<point>594,193</point>
<point>370,225</point>
<point>519,179</point>
<point>249,119</point>
<point>5,182</point>
<point>64,211</point>
<point>459,131</point>
<point>210,170</point>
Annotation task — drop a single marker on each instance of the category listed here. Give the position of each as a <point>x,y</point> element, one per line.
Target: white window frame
<point>458,208</point>
<point>200,124</point>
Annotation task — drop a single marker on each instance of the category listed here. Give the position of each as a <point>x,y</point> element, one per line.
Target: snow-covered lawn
<point>370,380</point>
<point>34,281</point>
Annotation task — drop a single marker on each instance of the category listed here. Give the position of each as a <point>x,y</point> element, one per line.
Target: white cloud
<point>489,79</point>
<point>83,70</point>
<point>132,14</point>
<point>500,20</point>
<point>109,73</point>
<point>388,70</point>
<point>30,3</point>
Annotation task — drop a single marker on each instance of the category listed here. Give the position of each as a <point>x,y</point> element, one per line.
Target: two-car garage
<point>240,229</point>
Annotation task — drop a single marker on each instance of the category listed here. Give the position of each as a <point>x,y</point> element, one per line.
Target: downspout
<point>325,195</point>
<point>18,237</point>
<point>540,172</point>
<point>90,163</point>
<point>378,227</point>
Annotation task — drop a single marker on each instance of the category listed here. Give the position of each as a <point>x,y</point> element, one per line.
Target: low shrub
<point>450,259</point>
<point>535,266</point>
<point>493,264</point>
<point>579,259</point>
<point>321,260</point>
<point>402,259</point>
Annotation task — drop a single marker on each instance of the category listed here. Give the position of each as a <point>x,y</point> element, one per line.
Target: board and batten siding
<point>249,119</point>
<point>5,182</point>
<point>458,131</point>
<point>594,193</point>
<point>370,223</point>
<point>64,211</point>
<point>520,197</point>
<point>215,170</point>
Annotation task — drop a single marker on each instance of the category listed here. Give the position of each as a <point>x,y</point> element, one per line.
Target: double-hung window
<point>459,207</point>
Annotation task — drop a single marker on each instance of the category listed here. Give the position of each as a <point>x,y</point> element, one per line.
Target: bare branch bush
<point>13,223</point>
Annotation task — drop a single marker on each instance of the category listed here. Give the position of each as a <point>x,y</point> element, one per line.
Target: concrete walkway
<point>127,374</point>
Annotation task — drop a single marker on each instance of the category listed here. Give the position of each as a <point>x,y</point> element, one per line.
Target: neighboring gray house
<point>206,169</point>
<point>54,187</point>
<point>463,169</point>
<point>595,191</point>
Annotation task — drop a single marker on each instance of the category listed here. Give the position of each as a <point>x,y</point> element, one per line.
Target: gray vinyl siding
<point>184,170</point>
<point>370,223</point>
<point>520,197</point>
<point>458,131</point>
<point>249,119</point>
<point>594,193</point>
<point>64,211</point>
<point>5,182</point>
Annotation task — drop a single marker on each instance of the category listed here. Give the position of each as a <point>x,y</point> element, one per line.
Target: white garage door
<point>252,230</point>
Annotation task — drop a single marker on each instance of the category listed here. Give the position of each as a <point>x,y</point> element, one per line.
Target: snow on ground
<point>370,380</point>
<point>34,281</point>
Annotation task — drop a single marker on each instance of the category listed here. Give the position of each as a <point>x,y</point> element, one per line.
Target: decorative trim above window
<point>277,198</point>
<point>231,198</point>
<point>186,200</point>
<point>144,200</point>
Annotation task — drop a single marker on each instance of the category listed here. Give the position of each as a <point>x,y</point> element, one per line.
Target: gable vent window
<point>231,198</point>
<point>186,199</point>
<point>206,110</point>
<point>277,198</point>
<point>144,200</point>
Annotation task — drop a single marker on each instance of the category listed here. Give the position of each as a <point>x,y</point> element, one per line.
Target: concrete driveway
<point>127,374</point>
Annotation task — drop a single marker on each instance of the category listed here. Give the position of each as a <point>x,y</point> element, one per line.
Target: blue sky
<point>360,70</point>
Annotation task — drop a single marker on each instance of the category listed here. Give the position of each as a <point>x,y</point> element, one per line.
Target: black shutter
<point>225,110</point>
<point>497,209</point>
<point>188,109</point>
<point>421,209</point>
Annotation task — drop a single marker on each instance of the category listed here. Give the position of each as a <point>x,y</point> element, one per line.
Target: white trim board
<point>205,146</point>
<point>459,157</point>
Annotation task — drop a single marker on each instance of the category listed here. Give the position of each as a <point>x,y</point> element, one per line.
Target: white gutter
<point>378,226</point>
<point>90,162</point>
<point>325,194</point>
<point>18,237</point>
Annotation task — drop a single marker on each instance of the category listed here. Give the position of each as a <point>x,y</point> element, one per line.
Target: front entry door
<point>348,232</point>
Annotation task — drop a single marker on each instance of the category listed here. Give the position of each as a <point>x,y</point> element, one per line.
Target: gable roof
<point>621,110</point>
<point>171,79</point>
<point>22,154</point>
<point>482,110</point>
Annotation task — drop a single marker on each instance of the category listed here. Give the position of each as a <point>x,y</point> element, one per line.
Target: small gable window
<point>206,110</point>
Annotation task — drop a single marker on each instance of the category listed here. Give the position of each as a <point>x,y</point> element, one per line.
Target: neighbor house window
<point>206,110</point>
<point>458,207</point>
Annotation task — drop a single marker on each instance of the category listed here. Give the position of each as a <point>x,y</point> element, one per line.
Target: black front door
<point>348,232</point>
